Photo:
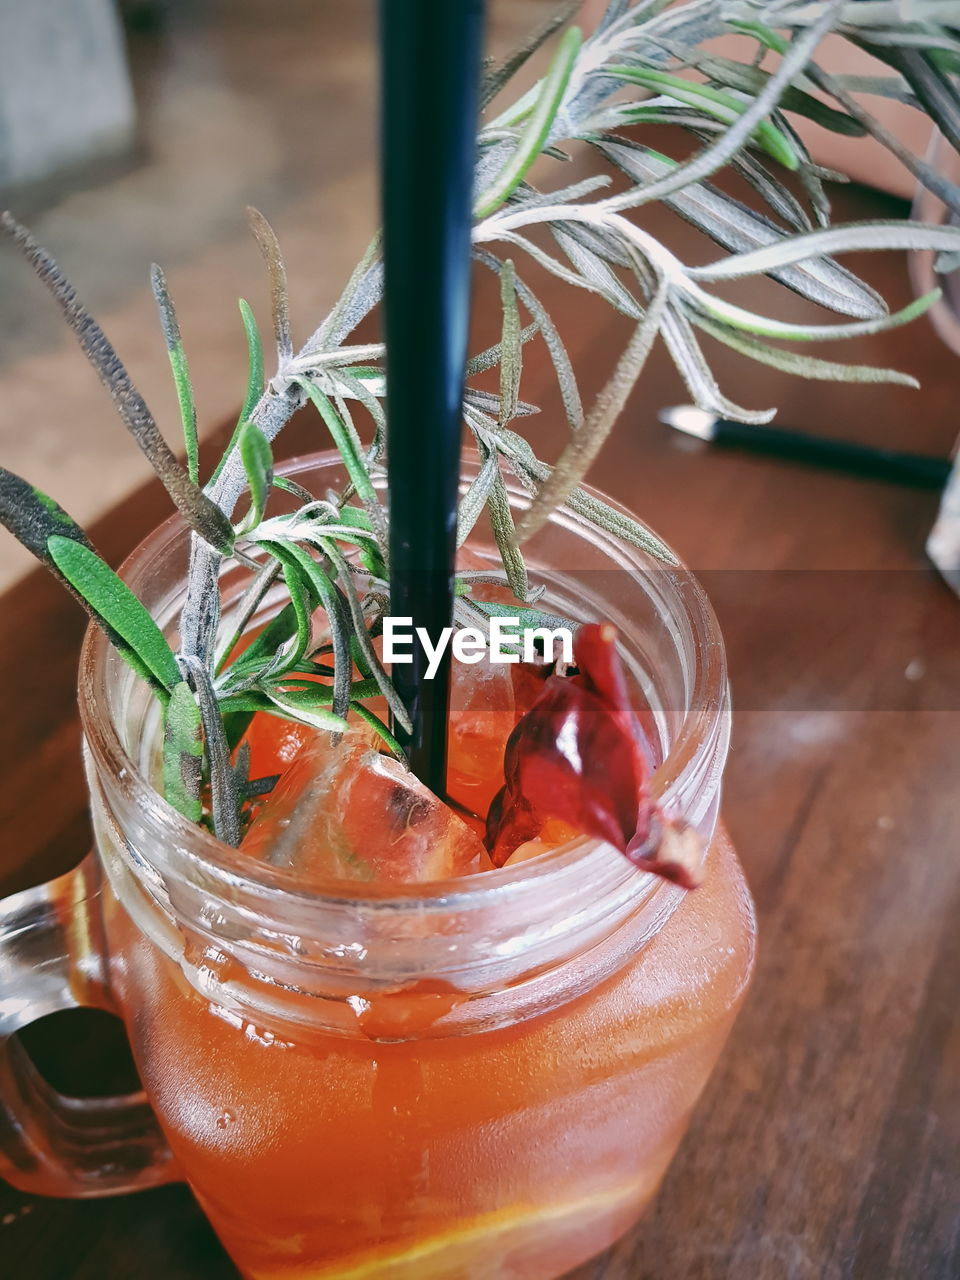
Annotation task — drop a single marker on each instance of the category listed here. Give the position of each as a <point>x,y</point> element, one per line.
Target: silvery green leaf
<point>490,358</point>
<point>505,536</point>
<point>594,269</point>
<point>613,13</point>
<point>247,606</point>
<point>722,105</point>
<point>532,473</point>
<point>362,636</point>
<point>583,447</point>
<point>566,379</point>
<point>811,176</point>
<point>475,499</point>
<point>780,201</point>
<point>536,128</point>
<point>362,389</point>
<point>768,327</point>
<point>302,705</point>
<point>852,237</point>
<point>751,80</point>
<point>693,368</point>
<point>736,227</point>
<point>487,402</point>
<point>254,362</point>
<point>529,619</point>
<point>327,594</point>
<point>352,459</point>
<point>180,369</point>
<point>547,261</point>
<point>279,298</point>
<point>527,198</point>
<point>947,262</point>
<point>934,89</point>
<point>224,796</point>
<point>893,87</point>
<point>511,358</point>
<point>732,139</point>
<point>183,752</point>
<point>799,365</point>
<point>257,458</point>
<point>601,242</point>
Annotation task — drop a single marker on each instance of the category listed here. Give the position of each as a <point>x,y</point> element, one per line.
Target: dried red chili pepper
<point>578,755</point>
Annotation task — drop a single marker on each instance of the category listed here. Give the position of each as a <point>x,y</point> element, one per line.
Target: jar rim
<point>705,722</point>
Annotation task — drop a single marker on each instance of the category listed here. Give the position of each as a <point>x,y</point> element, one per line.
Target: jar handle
<point>52,958</point>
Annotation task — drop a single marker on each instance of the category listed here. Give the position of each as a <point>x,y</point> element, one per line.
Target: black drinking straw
<point>430,71</point>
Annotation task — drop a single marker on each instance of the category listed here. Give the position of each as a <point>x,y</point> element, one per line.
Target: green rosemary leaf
<point>586,444</point>
<point>853,236</point>
<point>33,519</point>
<point>372,661</point>
<point>594,269</point>
<point>254,361</point>
<point>180,369</point>
<point>376,723</point>
<point>714,102</point>
<point>307,712</point>
<point>203,515</point>
<point>352,305</point>
<point>262,581</point>
<point>530,619</point>
<point>681,342</point>
<point>766,327</point>
<point>733,138</point>
<point>291,486</point>
<point>799,365</point>
<point>113,601</point>
<point>566,378</point>
<point>257,458</point>
<point>505,535</point>
<point>265,645</point>
<point>255,383</point>
<point>333,603</point>
<point>537,128</point>
<point>302,608</point>
<point>751,80</point>
<point>279,301</point>
<point>183,752</point>
<point>735,226</point>
<point>490,358</point>
<point>511,359</point>
<point>225,801</point>
<point>352,461</point>
<point>475,499</point>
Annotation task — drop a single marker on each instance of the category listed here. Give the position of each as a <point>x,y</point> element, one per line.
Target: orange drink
<point>362,1076</point>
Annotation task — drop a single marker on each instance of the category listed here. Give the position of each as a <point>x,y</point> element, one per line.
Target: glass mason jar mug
<point>478,1078</point>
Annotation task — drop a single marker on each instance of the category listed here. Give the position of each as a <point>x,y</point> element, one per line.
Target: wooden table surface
<point>828,1141</point>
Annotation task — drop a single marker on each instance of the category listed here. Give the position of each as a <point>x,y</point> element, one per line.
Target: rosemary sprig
<point>331,552</point>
